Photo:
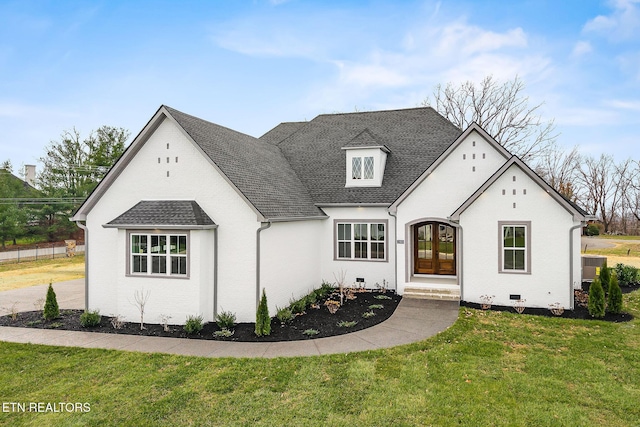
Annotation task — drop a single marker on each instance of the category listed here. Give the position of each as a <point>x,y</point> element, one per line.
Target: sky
<point>249,65</point>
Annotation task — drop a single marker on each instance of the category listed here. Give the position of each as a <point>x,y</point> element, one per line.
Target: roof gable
<point>474,127</point>
<point>256,169</point>
<point>578,214</point>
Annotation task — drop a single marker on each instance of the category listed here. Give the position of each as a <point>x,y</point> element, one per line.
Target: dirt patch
<point>318,319</point>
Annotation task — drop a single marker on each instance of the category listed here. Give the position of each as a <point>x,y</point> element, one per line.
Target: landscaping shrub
<point>593,230</point>
<point>614,300</point>
<point>226,320</point>
<point>51,310</point>
<point>193,325</point>
<point>298,306</point>
<point>263,321</point>
<point>90,318</point>
<point>627,274</point>
<point>605,276</point>
<point>284,315</point>
<point>596,299</point>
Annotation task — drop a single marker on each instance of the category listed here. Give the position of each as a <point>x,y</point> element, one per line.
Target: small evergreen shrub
<point>605,276</point>
<point>224,333</point>
<point>299,306</point>
<point>593,230</point>
<point>51,310</point>
<point>263,321</point>
<point>193,325</point>
<point>376,306</point>
<point>284,315</point>
<point>368,314</point>
<point>627,274</point>
<point>614,299</point>
<point>90,318</point>
<point>347,323</point>
<point>311,332</point>
<point>596,299</point>
<point>381,297</point>
<point>226,320</point>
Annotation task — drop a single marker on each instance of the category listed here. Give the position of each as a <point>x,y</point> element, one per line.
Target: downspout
<point>215,274</point>
<point>575,227</point>
<point>264,226</point>
<point>86,264</point>
<point>395,248</point>
<point>459,262</point>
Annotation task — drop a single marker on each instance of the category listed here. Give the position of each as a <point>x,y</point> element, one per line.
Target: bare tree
<point>499,108</point>
<point>603,186</point>
<point>558,168</point>
<point>141,298</point>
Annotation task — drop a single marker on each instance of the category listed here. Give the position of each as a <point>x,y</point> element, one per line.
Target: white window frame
<point>349,244</point>
<point>361,174</point>
<point>163,260</point>
<point>502,225</point>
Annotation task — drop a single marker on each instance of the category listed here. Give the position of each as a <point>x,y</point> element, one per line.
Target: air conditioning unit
<point>591,264</point>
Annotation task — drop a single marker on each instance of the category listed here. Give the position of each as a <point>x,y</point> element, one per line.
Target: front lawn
<point>490,368</point>
<point>15,275</point>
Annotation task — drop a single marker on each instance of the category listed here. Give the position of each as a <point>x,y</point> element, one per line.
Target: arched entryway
<point>434,248</point>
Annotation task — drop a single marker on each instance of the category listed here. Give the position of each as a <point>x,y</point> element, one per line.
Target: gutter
<point>86,264</point>
<point>575,227</point>
<point>264,226</point>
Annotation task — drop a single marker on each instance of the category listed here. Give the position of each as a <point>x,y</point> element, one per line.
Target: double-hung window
<point>158,254</point>
<point>361,240</point>
<point>515,247</point>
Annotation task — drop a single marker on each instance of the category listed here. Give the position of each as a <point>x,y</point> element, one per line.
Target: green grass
<point>29,273</point>
<point>489,368</point>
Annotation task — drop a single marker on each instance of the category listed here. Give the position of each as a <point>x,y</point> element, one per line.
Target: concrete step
<point>432,292</point>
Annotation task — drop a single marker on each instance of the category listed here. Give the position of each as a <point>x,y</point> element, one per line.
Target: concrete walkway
<point>413,320</point>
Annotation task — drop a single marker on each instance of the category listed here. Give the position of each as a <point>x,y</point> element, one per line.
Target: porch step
<point>432,292</point>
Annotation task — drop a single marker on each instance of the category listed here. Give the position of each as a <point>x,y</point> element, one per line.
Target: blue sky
<point>250,65</point>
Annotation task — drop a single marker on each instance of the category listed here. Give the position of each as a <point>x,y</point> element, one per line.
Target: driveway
<point>70,295</point>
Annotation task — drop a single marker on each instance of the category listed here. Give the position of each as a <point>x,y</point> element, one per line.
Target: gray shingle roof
<point>415,137</point>
<point>258,169</point>
<point>164,213</point>
<point>280,132</point>
<point>364,139</point>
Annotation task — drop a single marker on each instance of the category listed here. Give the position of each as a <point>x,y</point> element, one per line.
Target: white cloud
<point>621,104</point>
<point>622,24</point>
<point>581,48</point>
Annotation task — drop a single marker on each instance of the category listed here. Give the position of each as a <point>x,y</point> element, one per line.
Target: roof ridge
<point>377,111</point>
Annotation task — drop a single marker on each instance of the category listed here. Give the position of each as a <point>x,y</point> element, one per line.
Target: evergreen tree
<point>614,301</point>
<point>51,310</point>
<point>263,321</point>
<point>596,299</point>
<point>605,277</point>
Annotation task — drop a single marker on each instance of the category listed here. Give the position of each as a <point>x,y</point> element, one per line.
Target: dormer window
<point>365,159</point>
<point>362,167</point>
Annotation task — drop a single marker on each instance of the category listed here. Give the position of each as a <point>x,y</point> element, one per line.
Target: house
<point>203,217</point>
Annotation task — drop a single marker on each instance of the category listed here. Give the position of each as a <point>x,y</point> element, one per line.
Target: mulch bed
<point>580,310</point>
<point>314,318</point>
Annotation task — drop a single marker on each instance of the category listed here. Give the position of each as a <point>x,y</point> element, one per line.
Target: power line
<point>41,201</point>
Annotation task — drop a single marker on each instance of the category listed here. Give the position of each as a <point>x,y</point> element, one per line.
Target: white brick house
<point>204,217</point>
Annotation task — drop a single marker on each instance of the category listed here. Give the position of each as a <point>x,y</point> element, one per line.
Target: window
<point>362,167</point>
<point>360,241</point>
<point>515,244</point>
<point>158,254</point>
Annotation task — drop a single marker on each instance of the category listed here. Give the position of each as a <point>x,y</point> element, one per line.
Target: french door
<point>434,248</point>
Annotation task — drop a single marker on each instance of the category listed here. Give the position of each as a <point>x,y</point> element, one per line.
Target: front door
<point>434,248</point>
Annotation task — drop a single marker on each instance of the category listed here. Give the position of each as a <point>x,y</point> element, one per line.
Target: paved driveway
<point>70,294</point>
